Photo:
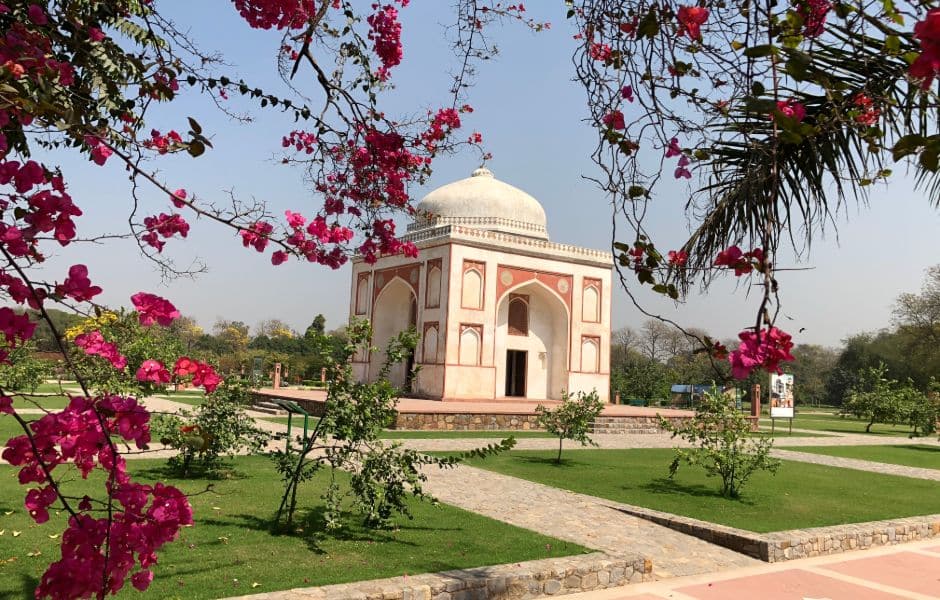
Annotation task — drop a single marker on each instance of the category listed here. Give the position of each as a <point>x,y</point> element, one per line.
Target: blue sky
<point>531,115</point>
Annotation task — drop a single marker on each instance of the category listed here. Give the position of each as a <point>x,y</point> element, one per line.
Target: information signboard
<point>781,396</point>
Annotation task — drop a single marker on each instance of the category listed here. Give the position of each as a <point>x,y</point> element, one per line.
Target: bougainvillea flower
<point>691,18</point>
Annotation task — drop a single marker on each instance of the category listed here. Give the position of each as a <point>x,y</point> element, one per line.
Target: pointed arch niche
<point>471,342</point>
<point>430,341</point>
<point>591,301</point>
<point>432,284</point>
<point>472,282</point>
<point>590,353</point>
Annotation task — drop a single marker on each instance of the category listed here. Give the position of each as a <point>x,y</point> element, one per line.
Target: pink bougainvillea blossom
<point>868,113</point>
<point>385,33</point>
<point>153,371</point>
<point>15,327</point>
<point>742,262</point>
<point>678,258</point>
<point>94,344</point>
<point>681,170</point>
<point>927,64</point>
<point>274,14</point>
<point>765,351</point>
<point>626,92</point>
<point>256,235</point>
<point>77,285</point>
<point>100,152</point>
<point>614,120</point>
<point>813,13</point>
<point>691,18</point>
<point>792,109</point>
<point>673,149</point>
<point>202,373</point>
<point>154,309</point>
<point>178,197</point>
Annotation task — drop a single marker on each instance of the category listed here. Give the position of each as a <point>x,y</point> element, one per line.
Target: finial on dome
<point>482,172</point>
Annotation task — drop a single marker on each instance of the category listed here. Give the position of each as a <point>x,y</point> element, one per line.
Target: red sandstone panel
<point>794,584</point>
<point>903,570</point>
<point>932,549</point>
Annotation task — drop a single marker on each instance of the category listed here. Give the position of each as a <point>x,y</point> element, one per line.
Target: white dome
<point>483,202</point>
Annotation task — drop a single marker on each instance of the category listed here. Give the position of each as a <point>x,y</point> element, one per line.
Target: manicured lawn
<point>834,423</point>
<point>194,398</point>
<point>230,549</point>
<point>47,402</point>
<point>785,433</point>
<point>800,495</point>
<point>911,455</point>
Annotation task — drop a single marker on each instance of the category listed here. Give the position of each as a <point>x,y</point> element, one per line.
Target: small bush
<point>572,419</point>
<point>720,435</point>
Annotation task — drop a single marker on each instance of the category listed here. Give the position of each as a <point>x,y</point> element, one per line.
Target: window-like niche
<point>433,291</point>
<point>470,345</point>
<point>429,343</point>
<point>362,295</point>
<point>518,319</point>
<point>591,302</point>
<point>472,289</point>
<point>590,355</point>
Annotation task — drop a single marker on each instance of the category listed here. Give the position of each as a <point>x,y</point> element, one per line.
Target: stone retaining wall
<point>780,546</point>
<point>466,421</point>
<point>519,581</point>
<point>804,543</point>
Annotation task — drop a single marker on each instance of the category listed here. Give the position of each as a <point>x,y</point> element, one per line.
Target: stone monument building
<point>503,312</point>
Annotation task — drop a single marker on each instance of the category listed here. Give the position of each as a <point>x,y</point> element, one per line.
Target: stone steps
<point>268,407</point>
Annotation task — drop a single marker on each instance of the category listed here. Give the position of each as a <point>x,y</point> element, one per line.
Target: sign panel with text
<point>781,396</point>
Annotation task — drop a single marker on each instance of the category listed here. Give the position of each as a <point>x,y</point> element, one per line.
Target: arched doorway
<point>395,310</point>
<point>531,343</point>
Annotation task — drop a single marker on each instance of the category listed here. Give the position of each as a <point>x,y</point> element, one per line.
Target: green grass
<point>193,398</point>
<point>800,495</point>
<point>911,455</point>
<point>781,432</point>
<point>834,423</point>
<point>231,548</point>
<point>47,402</point>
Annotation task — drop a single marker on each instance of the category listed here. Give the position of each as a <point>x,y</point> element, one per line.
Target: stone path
<point>585,520</point>
<point>860,465</point>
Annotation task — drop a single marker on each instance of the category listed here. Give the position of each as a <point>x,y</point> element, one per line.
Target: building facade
<point>502,311</point>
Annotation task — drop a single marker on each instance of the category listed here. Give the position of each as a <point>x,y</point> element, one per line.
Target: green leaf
<point>636,191</point>
<point>930,159</point>
<point>649,26</point>
<point>758,89</point>
<point>759,51</point>
<point>194,125</point>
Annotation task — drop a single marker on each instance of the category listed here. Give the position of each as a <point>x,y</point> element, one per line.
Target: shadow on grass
<point>921,448</point>
<point>196,474</point>
<point>671,487</point>
<point>310,526</point>
<point>27,586</point>
<point>551,462</point>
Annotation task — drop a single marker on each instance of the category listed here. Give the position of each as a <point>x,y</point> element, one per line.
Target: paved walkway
<point>861,465</point>
<point>585,520</point>
<point>904,572</point>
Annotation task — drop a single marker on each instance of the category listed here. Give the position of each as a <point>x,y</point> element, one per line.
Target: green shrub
<point>720,436</point>
<point>572,419</point>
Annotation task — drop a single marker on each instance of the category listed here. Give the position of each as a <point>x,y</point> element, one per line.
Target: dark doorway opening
<point>515,372</point>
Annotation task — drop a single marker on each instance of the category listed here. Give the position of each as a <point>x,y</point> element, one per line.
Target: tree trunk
<point>560,441</point>
<point>868,427</point>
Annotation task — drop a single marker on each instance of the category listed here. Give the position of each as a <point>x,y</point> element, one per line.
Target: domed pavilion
<point>503,312</point>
